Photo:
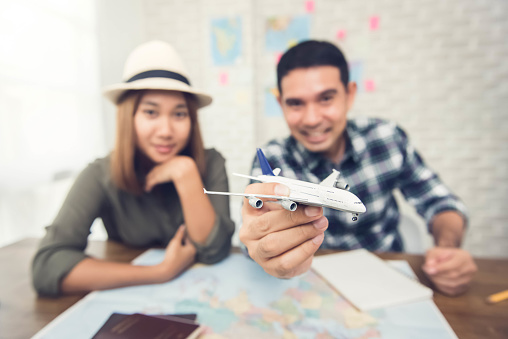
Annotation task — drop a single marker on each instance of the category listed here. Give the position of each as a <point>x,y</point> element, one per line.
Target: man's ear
<point>351,94</point>
<point>279,99</point>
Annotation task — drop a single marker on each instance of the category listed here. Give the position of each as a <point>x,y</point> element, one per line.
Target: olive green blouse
<point>150,219</point>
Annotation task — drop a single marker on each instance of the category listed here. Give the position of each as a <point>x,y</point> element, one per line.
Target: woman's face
<point>162,125</point>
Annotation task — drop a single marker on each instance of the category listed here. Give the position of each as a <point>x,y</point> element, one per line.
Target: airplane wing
<point>249,177</point>
<point>247,195</point>
<point>331,179</point>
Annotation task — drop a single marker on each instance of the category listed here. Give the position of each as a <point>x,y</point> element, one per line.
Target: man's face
<point>315,104</point>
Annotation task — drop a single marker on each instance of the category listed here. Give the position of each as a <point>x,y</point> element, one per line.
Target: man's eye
<point>326,99</point>
<point>294,103</point>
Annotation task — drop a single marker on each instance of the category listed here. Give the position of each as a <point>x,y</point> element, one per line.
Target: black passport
<point>127,326</point>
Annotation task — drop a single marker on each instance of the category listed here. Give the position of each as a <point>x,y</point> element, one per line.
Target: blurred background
<point>436,67</point>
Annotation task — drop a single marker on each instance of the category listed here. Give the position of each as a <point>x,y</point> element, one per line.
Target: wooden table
<point>23,313</point>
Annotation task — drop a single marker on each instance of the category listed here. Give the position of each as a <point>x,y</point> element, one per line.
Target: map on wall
<point>226,41</point>
<point>284,32</point>
<point>237,299</point>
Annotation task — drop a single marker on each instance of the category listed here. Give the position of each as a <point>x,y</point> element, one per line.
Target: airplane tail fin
<point>265,166</point>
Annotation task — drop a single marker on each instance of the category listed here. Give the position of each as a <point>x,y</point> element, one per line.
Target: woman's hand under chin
<point>172,170</point>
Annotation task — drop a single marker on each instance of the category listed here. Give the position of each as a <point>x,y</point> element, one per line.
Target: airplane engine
<point>255,202</point>
<point>289,205</point>
<point>342,185</point>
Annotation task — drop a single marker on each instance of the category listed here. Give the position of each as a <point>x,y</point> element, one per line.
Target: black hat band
<point>159,73</point>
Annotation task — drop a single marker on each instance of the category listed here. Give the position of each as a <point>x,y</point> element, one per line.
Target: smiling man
<point>374,156</point>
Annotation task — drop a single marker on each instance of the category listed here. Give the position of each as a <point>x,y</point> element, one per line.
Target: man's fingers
<point>448,267</point>
<point>295,261</point>
<point>452,276</point>
<point>267,189</point>
<point>459,264</point>
<point>277,243</point>
<point>452,286</point>
<point>448,262</point>
<point>445,256</point>
<point>274,221</point>
<point>453,291</point>
<point>456,276</point>
<point>452,282</point>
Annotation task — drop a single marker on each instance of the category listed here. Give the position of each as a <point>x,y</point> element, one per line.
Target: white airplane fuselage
<point>319,195</point>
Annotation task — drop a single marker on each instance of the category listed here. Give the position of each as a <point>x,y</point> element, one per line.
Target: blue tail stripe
<point>265,166</point>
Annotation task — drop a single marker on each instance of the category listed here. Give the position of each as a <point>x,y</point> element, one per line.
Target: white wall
<point>120,28</point>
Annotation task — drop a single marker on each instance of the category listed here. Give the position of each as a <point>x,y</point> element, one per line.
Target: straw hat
<point>155,65</point>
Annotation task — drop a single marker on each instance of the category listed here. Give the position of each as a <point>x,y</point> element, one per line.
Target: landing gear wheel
<point>355,218</point>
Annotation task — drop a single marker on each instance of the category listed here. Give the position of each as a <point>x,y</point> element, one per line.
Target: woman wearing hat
<point>148,191</point>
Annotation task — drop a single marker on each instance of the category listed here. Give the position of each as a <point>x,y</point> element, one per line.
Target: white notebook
<point>367,281</point>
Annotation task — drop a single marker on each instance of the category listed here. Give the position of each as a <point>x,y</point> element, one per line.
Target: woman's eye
<point>181,114</point>
<point>150,112</point>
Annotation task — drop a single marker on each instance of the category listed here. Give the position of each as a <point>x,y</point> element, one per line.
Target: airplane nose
<point>362,208</point>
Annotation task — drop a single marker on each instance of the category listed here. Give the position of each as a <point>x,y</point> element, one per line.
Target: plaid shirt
<point>378,159</point>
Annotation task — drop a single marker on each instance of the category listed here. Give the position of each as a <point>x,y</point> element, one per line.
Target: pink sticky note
<point>374,23</point>
<point>341,34</point>
<point>277,57</point>
<point>309,6</point>
<point>370,85</point>
<point>223,78</point>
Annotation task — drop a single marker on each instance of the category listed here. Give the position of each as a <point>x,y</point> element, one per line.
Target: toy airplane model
<point>331,192</point>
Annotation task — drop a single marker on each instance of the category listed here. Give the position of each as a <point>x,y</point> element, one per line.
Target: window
<point>50,116</point>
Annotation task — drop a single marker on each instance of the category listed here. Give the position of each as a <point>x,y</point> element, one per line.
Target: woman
<point>148,192</point>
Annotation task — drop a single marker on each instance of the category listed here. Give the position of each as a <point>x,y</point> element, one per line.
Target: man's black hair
<point>312,53</point>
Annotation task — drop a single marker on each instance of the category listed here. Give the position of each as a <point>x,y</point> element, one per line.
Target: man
<point>373,156</point>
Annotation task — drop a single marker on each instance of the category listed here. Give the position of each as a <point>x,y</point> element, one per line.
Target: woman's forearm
<point>93,274</point>
<point>198,211</point>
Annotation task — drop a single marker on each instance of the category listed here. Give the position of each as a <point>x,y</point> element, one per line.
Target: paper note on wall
<point>370,85</point>
<point>341,34</point>
<point>374,23</point>
<point>309,6</point>
<point>223,78</point>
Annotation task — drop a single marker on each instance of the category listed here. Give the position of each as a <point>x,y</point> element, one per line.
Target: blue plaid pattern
<point>378,159</point>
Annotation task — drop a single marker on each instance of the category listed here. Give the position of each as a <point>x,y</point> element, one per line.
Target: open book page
<point>367,281</point>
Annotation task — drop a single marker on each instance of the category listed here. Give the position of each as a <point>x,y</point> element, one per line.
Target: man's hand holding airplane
<point>280,241</point>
